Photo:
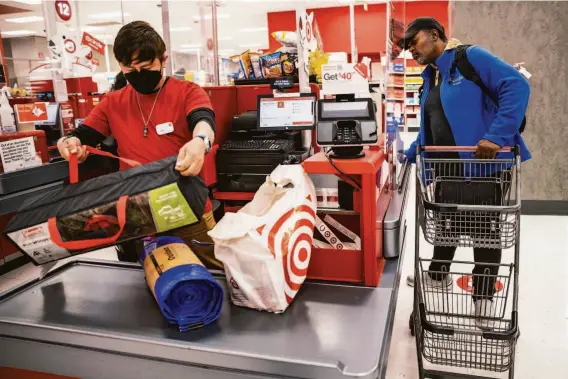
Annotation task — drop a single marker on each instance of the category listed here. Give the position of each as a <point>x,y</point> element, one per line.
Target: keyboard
<point>272,146</point>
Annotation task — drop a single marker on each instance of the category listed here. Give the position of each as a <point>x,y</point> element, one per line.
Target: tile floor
<point>542,350</point>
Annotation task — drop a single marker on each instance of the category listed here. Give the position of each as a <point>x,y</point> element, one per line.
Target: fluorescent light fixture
<point>104,36</point>
<point>209,17</point>
<point>90,29</point>
<point>189,50</point>
<point>29,2</point>
<point>25,20</point>
<point>16,33</point>
<point>181,29</point>
<point>225,38</point>
<point>191,46</point>
<point>252,44</point>
<point>253,30</point>
<point>107,15</point>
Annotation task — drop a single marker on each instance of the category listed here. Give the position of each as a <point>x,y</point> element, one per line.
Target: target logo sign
<point>63,10</point>
<point>70,46</point>
<point>291,238</point>
<point>465,283</point>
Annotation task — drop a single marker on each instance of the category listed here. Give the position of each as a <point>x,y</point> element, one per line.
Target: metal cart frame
<point>466,203</point>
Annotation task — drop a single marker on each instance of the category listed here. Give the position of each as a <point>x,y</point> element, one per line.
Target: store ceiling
<point>242,24</point>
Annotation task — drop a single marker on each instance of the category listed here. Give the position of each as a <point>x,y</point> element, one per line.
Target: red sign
<point>31,112</point>
<point>63,10</point>
<point>67,116</point>
<point>93,43</point>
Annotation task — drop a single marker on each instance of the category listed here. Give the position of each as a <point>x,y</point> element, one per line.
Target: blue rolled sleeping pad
<point>187,294</point>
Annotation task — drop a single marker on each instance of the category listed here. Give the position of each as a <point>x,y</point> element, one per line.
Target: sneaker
<point>445,283</point>
<point>484,309</point>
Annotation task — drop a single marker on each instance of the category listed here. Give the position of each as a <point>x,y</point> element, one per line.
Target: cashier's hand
<point>486,149</point>
<point>72,145</point>
<point>191,157</point>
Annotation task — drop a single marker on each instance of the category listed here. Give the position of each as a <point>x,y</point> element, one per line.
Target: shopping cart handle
<point>458,149</point>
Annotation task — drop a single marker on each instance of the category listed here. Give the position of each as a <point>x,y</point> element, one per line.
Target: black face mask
<point>144,81</point>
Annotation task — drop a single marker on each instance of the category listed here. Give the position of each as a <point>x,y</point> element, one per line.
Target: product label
<point>36,242</point>
<point>163,258</point>
<point>18,154</point>
<point>170,209</point>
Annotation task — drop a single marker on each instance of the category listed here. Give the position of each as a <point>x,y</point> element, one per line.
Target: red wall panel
<point>370,25</point>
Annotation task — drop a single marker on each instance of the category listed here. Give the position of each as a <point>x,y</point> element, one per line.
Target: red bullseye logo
<point>291,238</point>
<point>465,283</point>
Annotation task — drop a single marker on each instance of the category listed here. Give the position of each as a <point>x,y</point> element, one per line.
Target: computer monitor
<point>296,112</point>
<point>52,126</point>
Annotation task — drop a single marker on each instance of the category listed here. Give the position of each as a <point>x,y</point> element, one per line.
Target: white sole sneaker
<point>484,312</point>
<point>446,283</point>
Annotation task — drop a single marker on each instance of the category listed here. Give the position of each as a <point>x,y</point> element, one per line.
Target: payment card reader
<point>346,126</point>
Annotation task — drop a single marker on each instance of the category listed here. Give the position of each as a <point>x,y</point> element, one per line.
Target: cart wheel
<point>411,324</point>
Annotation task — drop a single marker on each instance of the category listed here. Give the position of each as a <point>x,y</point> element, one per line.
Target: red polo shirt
<point>119,114</point>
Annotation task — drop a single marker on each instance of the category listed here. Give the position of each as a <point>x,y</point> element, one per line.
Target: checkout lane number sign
<point>63,10</point>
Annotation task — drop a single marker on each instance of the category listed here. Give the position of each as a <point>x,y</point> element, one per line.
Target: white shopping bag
<point>266,246</point>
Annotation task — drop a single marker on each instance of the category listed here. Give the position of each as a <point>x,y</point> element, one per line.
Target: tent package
<point>141,201</point>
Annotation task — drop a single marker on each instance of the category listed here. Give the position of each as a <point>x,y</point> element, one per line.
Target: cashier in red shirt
<point>152,118</point>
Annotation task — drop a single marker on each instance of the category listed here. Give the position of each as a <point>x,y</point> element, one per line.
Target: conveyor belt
<point>95,319</point>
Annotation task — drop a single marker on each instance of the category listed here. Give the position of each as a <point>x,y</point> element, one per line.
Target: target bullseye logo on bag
<point>266,246</point>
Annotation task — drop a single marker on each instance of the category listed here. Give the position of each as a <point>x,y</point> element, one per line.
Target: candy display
<point>255,61</point>
<point>289,61</point>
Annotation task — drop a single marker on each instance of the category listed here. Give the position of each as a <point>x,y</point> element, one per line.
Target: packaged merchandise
<point>247,65</point>
<point>266,246</point>
<point>289,62</point>
<point>141,201</point>
<point>240,74</point>
<point>323,228</point>
<point>7,121</point>
<point>272,65</point>
<point>187,294</point>
<point>286,38</point>
<point>255,61</point>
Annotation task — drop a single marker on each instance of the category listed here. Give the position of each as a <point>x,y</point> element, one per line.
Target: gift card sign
<point>345,78</point>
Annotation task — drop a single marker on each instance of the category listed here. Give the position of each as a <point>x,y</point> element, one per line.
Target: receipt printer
<point>346,123</point>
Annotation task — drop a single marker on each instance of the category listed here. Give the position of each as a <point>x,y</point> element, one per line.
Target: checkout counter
<point>97,319</point>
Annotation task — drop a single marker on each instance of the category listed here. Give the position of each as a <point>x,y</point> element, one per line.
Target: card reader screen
<point>352,109</point>
<point>286,112</point>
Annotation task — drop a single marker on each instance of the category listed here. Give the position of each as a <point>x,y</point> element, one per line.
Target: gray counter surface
<point>97,319</point>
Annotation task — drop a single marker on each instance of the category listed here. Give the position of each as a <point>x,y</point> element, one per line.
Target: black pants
<point>472,193</point>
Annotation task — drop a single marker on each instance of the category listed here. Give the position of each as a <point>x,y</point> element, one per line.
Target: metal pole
<point>215,43</point>
<point>122,12</point>
<point>166,35</point>
<point>354,58</point>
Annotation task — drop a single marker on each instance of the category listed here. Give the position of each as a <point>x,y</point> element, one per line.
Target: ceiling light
<point>103,16</point>
<point>189,50</point>
<point>253,44</point>
<point>104,36</point>
<point>191,46</point>
<point>15,33</point>
<point>29,2</point>
<point>25,20</point>
<point>252,30</point>
<point>181,29</point>
<point>225,38</point>
<point>93,29</point>
<point>209,17</point>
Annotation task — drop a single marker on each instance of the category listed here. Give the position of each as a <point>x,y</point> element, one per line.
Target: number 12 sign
<point>63,10</point>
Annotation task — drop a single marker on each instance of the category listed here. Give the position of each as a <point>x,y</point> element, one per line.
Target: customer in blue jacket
<point>455,112</point>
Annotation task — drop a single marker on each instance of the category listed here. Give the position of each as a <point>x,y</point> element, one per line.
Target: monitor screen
<point>351,109</point>
<point>52,109</point>
<point>286,113</point>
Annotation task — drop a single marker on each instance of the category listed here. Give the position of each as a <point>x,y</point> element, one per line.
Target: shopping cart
<point>466,203</point>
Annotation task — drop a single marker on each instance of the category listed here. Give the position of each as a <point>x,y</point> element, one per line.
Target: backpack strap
<point>462,63</point>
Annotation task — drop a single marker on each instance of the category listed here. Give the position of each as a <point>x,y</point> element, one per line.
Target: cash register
<point>249,155</point>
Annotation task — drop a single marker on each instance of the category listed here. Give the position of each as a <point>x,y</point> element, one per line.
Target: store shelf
<point>337,211</point>
<point>412,113</point>
<point>413,74</point>
<point>394,99</point>
<point>396,86</point>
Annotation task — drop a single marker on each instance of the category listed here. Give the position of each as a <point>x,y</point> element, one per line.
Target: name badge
<point>165,128</point>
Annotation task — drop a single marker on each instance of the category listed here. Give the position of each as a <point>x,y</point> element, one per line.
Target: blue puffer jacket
<point>473,116</point>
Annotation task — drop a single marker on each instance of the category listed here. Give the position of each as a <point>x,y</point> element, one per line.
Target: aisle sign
<point>345,78</point>
<point>63,10</point>
<point>19,153</point>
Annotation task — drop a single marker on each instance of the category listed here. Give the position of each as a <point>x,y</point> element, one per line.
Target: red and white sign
<point>93,43</point>
<point>67,116</point>
<point>63,10</point>
<point>344,78</point>
<point>31,112</point>
<point>465,283</point>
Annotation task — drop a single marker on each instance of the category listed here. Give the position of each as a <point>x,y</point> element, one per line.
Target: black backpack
<point>463,64</point>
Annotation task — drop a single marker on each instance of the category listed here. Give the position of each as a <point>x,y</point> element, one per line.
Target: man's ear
<point>165,59</point>
<point>435,35</point>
